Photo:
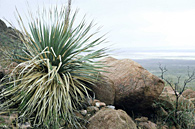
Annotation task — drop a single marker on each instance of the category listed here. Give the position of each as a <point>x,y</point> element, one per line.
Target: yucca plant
<point>52,76</point>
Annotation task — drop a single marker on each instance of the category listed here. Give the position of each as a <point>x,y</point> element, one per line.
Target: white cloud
<point>177,27</point>
<point>130,23</point>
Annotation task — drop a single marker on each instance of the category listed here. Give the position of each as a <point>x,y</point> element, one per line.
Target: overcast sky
<point>142,24</point>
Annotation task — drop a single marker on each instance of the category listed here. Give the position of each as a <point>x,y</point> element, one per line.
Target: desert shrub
<point>180,118</point>
<point>49,83</point>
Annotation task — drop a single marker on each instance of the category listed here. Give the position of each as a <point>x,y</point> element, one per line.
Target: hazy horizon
<point>174,54</point>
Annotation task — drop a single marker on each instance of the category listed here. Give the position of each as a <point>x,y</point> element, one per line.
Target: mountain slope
<point>9,40</point>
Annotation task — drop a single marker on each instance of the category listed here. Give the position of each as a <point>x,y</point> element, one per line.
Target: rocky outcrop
<point>135,88</point>
<point>9,32</point>
<point>108,118</point>
<point>165,108</point>
<point>189,94</point>
<point>168,99</point>
<point>3,26</point>
<point>9,39</point>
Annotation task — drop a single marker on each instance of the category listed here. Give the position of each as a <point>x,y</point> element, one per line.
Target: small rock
<point>24,126</point>
<point>142,119</point>
<point>88,116</point>
<point>100,104</point>
<point>92,109</point>
<point>83,112</point>
<point>165,127</point>
<point>147,125</point>
<point>94,102</point>
<point>172,127</point>
<point>110,106</point>
<point>78,115</point>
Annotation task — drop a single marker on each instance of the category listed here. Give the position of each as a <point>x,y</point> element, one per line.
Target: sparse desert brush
<point>182,113</point>
<point>60,59</point>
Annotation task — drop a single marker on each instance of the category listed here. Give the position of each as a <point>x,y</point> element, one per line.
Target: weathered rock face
<point>167,110</point>
<point>105,91</point>
<point>111,119</point>
<point>168,99</point>
<point>135,87</point>
<point>189,94</point>
<point>9,40</point>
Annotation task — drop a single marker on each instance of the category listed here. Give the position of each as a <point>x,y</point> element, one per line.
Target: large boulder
<point>108,118</point>
<point>135,87</point>
<point>105,91</point>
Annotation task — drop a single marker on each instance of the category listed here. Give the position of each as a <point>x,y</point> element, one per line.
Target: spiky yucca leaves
<point>59,61</point>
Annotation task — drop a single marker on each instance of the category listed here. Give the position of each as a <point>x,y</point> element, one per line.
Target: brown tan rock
<point>135,87</point>
<point>111,119</point>
<point>79,115</point>
<point>142,119</point>
<point>100,104</point>
<point>164,127</point>
<point>83,112</point>
<point>147,125</point>
<point>105,91</point>
<point>8,119</point>
<point>93,101</point>
<point>192,100</point>
<point>188,94</point>
<point>92,109</point>
<point>168,89</point>
<point>169,100</point>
